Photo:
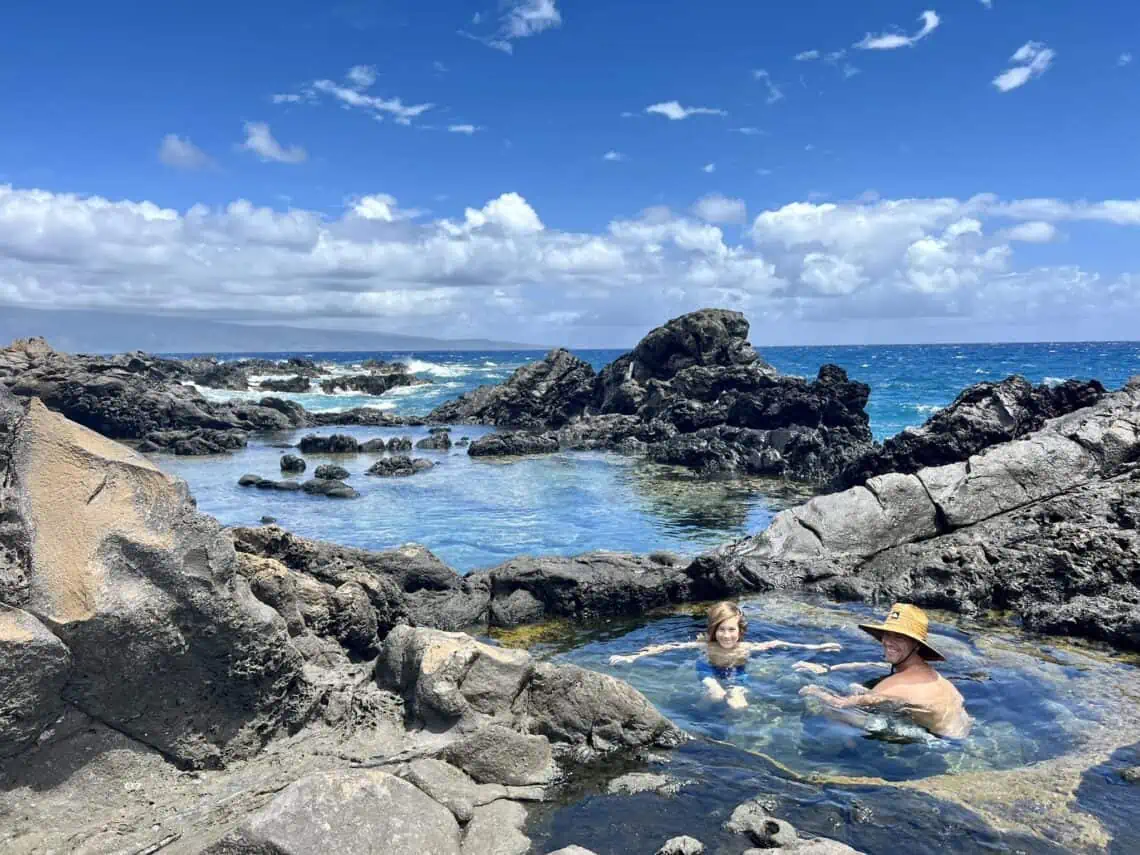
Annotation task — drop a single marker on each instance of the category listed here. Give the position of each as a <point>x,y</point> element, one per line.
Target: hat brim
<point>925,650</point>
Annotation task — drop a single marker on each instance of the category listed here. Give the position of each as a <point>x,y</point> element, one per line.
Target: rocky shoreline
<point>260,692</point>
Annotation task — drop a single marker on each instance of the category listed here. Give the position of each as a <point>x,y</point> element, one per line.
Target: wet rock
<point>400,443</point>
<point>375,383</point>
<point>134,582</point>
<point>682,846</point>
<point>373,446</point>
<point>1131,774</point>
<point>360,416</point>
<point>34,666</point>
<point>336,444</point>
<point>398,466</point>
<point>437,441</point>
<point>513,444</point>
<point>331,472</point>
<point>644,782</point>
<point>198,441</point>
<point>266,520</point>
<point>585,587</point>
<point>347,811</point>
<point>983,415</point>
<point>496,829</point>
<point>748,818</point>
<point>330,488</point>
<point>296,384</point>
<point>547,393</point>
<point>251,480</point>
<point>572,850</point>
<point>292,463</point>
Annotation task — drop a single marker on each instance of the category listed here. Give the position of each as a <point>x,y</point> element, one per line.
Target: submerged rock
<point>338,443</point>
<point>437,441</point>
<point>331,472</point>
<point>292,463</point>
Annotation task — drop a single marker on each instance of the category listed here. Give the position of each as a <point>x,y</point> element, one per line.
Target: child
<point>727,653</point>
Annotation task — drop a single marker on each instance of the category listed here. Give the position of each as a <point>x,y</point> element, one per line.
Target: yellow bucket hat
<point>908,620</point>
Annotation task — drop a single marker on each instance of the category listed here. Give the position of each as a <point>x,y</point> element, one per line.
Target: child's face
<point>728,633</point>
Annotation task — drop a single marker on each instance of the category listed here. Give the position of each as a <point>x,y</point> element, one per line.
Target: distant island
<point>90,331</point>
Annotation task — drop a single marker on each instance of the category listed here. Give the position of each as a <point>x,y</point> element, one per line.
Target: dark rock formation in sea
<point>399,466</point>
<point>437,440</point>
<point>135,396</point>
<point>331,472</point>
<point>338,443</point>
<point>331,487</point>
<point>376,383</point>
<point>296,384</point>
<point>513,443</point>
<point>292,463</point>
<point>693,392</point>
<point>982,415</point>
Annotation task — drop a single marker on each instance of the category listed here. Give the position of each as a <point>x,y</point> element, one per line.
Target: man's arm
<point>759,646</point>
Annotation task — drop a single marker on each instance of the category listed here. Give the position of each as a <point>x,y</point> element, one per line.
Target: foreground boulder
<point>693,392</point>
<point>116,579</point>
<point>1044,526</point>
<point>513,444</point>
<point>983,415</point>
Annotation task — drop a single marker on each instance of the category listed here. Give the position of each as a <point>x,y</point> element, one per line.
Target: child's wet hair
<point>722,611</point>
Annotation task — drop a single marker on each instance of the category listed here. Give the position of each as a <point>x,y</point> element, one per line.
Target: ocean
<point>476,513</point>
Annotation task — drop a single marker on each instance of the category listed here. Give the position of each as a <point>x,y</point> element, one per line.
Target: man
<point>913,688</point>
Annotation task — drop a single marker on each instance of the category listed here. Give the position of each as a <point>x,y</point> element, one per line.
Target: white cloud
<point>1124,59</point>
<point>354,98</point>
<point>709,168</point>
<point>521,19</point>
<point>807,55</point>
<point>673,110</point>
<point>1034,231</point>
<point>464,129</point>
<point>499,268</point>
<point>989,4</point>
<point>181,153</point>
<point>288,98</point>
<point>1030,60</point>
<point>260,141</point>
<point>613,156</point>
<point>893,41</point>
<point>775,93</point>
<point>361,76</point>
<point>715,208</point>
<point>749,132</point>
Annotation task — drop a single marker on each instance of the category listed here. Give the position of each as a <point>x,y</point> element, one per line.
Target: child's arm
<point>830,646</point>
<point>653,650</point>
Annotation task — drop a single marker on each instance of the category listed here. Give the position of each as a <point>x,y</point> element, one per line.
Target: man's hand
<point>828,646</point>
<point>618,659</point>
<point>810,667</point>
<point>823,695</point>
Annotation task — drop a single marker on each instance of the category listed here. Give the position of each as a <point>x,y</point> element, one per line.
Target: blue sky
<point>867,170</point>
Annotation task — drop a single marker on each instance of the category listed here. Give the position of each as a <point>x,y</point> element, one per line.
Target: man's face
<point>728,633</point>
<point>897,648</point>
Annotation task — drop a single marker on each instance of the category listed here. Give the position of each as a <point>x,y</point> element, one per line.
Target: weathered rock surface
<point>338,443</point>
<point>358,810</point>
<point>118,567</point>
<point>136,396</point>
<point>516,443</point>
<point>438,440</point>
<point>331,472</point>
<point>693,393</point>
<point>451,679</point>
<point>252,480</point>
<point>292,463</point>
<point>683,845</point>
<point>296,384</point>
<point>375,383</point>
<point>983,415</point>
<point>34,666</point>
<point>399,466</point>
<point>644,782</point>
<point>1045,526</point>
<point>496,829</point>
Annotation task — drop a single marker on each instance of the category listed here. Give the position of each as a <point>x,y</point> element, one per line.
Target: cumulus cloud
<point>674,111</point>
<point>893,41</point>
<point>464,129</point>
<point>498,267</point>
<point>361,76</point>
<point>260,141</point>
<point>613,156</point>
<point>1030,60</point>
<point>715,208</point>
<point>181,153</point>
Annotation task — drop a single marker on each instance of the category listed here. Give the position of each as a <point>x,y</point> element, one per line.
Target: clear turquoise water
<point>478,513</point>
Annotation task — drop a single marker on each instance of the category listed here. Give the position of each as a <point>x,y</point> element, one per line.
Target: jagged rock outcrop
<point>112,577</point>
<point>983,415</point>
<point>136,396</point>
<point>292,463</point>
<point>439,439</point>
<point>1044,526</point>
<point>296,385</point>
<point>399,466</point>
<point>374,383</point>
<point>694,393</point>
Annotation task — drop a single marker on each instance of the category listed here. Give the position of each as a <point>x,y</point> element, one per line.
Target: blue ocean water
<point>478,513</point>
